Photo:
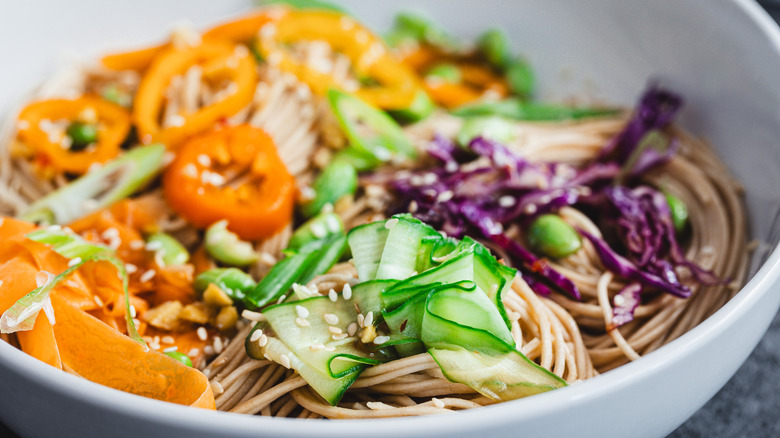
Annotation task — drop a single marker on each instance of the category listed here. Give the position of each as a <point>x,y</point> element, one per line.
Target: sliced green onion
<point>422,106</point>
<point>99,188</point>
<point>82,135</point>
<point>520,77</point>
<point>446,72</point>
<point>169,250</point>
<point>21,316</point>
<point>415,27</point>
<point>319,227</point>
<point>518,109</point>
<point>233,281</point>
<point>678,210</point>
<point>337,180</point>
<point>227,247</point>
<point>494,45</point>
<point>495,128</point>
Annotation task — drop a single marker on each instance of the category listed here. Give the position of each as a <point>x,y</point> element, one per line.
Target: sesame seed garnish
<point>332,223</point>
<point>339,336</point>
<point>148,275</point>
<point>204,160</point>
<point>334,330</point>
<point>438,403</point>
<point>530,209</point>
<point>256,335</point>
<point>330,348</point>
<point>133,312</point>
<point>369,319</point>
<point>391,223</point>
<point>333,295</point>
<point>302,322</point>
<point>318,230</point>
<point>131,268</point>
<point>74,261</point>
<point>381,339</point>
<point>154,245</point>
<point>136,322</point>
<point>284,361</point>
<point>445,196</point>
<point>203,334</point>
<point>136,244</point>
<point>262,341</point>
<point>308,193</point>
<point>451,166</point>
<point>194,352</point>
<point>352,328</point>
<point>412,206</point>
<point>170,349</point>
<point>282,298</point>
<point>506,201</point>
<point>330,318</point>
<point>167,340</point>
<point>267,259</point>
<point>208,350</point>
<point>218,345</point>
<point>111,233</point>
<point>301,311</point>
<point>217,388</point>
<point>316,347</point>
<point>346,292</point>
<point>361,320</point>
<point>253,316</point>
<point>619,300</point>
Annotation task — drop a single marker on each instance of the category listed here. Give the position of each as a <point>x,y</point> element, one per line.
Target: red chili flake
<point>540,265</point>
<point>403,325</point>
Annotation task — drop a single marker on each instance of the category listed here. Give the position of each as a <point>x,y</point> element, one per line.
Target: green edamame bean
<point>226,247</point>
<point>233,281</point>
<point>319,227</point>
<point>338,179</point>
<point>494,45</point>
<point>181,357</point>
<point>553,237</point>
<point>82,135</point>
<point>445,72</point>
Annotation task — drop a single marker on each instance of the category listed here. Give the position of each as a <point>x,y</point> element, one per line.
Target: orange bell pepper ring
<point>81,343</point>
<point>198,185</point>
<point>476,80</point>
<point>398,84</point>
<point>238,69</point>
<point>51,147</point>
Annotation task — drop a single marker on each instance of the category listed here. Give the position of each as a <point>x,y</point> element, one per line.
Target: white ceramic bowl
<point>722,55</point>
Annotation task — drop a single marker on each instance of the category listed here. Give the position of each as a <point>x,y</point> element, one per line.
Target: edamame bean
<point>553,237</point>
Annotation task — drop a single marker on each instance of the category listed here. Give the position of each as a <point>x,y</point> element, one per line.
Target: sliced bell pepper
<point>221,58</point>
<point>52,149</point>
<point>197,184</point>
<point>397,83</point>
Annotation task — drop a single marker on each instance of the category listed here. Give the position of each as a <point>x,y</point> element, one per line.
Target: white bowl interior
<point>722,56</point>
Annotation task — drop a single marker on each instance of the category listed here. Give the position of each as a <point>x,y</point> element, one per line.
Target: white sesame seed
<point>253,316</point>
<point>334,330</point>
<point>619,300</point>
<point>346,292</point>
<point>333,295</point>
<point>74,261</point>
<point>429,178</point>
<point>133,312</point>
<point>131,268</point>
<point>339,336</point>
<point>361,320</point>
<point>217,388</point>
<point>391,223</point>
<point>308,193</point>
<point>176,120</point>
<point>208,350</point>
<point>262,341</point>
<point>445,196</point>
<point>302,322</point>
<point>204,160</point>
<point>218,345</point>
<point>170,349</point>
<point>136,244</point>
<point>530,209</point>
<point>438,403</point>
<point>148,275</point>
<point>282,298</point>
<point>167,340</point>
<point>369,319</point>
<point>318,230</point>
<point>332,223</point>
<point>330,318</point>
<point>97,299</point>
<point>316,347</point>
<point>330,348</point>
<point>352,328</point>
<point>255,335</point>
<point>413,206</point>
<point>284,361</point>
<point>194,352</point>
<point>451,167</point>
<point>301,311</point>
<point>154,245</point>
<point>136,322</point>
<point>381,339</point>
<point>506,201</point>
<point>189,170</point>
<point>203,334</point>
<point>110,233</point>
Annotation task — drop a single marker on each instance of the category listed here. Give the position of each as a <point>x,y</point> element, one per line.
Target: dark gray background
<point>749,404</point>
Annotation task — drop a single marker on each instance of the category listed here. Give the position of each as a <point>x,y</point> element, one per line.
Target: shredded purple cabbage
<point>486,188</point>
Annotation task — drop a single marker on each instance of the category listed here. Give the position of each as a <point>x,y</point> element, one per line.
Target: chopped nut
<point>165,316</point>
<point>197,312</point>
<point>215,296</point>
<point>226,318</point>
<point>368,334</point>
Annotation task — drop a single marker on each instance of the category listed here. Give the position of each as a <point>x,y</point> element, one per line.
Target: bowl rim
<point>159,412</point>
